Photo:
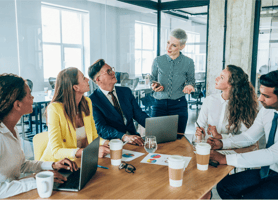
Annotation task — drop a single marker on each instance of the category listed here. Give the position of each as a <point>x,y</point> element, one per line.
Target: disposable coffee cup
<point>176,166</point>
<point>116,147</point>
<point>202,155</point>
<point>45,182</point>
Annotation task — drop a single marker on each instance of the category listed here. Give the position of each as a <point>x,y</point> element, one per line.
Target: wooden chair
<point>40,143</point>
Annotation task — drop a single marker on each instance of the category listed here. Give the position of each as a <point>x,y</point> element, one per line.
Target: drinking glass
<point>150,144</point>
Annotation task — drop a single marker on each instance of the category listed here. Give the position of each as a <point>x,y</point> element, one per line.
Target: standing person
<point>226,114</point>
<point>115,108</point>
<point>71,126</point>
<point>15,101</point>
<point>173,75</point>
<point>255,183</point>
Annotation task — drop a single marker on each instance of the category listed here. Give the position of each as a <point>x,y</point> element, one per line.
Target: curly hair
<point>11,89</point>
<point>243,104</point>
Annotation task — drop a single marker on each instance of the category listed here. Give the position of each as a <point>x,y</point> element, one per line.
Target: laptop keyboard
<point>72,182</point>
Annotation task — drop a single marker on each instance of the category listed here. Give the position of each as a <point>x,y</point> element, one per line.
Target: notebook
<point>164,128</point>
<point>78,179</point>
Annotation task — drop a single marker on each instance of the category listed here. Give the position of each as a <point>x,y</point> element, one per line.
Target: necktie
<point>265,170</point>
<point>116,103</point>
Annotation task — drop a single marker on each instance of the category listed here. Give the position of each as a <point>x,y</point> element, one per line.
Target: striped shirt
<point>173,75</point>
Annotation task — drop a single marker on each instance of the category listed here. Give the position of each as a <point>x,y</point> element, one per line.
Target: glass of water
<point>150,144</point>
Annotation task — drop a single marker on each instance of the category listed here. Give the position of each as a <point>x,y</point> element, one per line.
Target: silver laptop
<point>78,179</point>
<point>164,128</point>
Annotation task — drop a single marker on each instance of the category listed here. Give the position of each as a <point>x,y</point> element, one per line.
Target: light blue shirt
<point>173,75</point>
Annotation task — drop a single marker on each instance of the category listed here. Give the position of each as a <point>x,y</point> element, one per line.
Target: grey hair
<point>180,35</point>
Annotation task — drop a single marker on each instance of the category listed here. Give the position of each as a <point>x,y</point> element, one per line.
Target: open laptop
<point>78,179</point>
<point>164,128</point>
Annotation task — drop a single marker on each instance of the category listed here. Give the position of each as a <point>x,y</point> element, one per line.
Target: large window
<point>63,43</point>
<point>145,47</point>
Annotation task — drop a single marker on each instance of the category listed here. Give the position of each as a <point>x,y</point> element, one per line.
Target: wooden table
<point>149,181</point>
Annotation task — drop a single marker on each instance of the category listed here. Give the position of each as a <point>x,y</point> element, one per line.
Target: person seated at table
<point>114,107</point>
<point>15,101</point>
<point>71,126</point>
<point>255,183</point>
<point>227,114</point>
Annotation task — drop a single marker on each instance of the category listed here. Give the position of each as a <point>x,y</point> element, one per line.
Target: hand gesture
<point>214,155</point>
<point>188,89</point>
<point>157,87</point>
<point>212,131</point>
<point>103,150</point>
<point>200,133</point>
<point>215,143</point>
<point>65,164</point>
<point>133,139</point>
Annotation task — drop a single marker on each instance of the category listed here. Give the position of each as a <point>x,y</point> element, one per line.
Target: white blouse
<point>214,112</point>
<point>81,137</point>
<point>12,163</point>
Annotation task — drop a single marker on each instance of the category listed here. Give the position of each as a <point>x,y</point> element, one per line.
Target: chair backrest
<point>120,76</point>
<point>52,81</point>
<point>39,143</point>
<point>30,84</point>
<point>131,83</point>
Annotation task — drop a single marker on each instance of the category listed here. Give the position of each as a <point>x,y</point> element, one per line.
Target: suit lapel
<point>107,105</point>
<point>121,98</point>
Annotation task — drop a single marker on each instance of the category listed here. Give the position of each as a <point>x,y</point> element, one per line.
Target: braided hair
<point>11,89</point>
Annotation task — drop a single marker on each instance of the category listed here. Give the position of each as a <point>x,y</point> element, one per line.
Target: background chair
<point>195,97</point>
<point>39,144</point>
<point>131,83</point>
<point>120,76</point>
<point>52,82</point>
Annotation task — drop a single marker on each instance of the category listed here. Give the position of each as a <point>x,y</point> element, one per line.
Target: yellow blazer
<point>62,135</point>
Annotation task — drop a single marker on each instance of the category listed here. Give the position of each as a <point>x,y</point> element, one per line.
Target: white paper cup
<point>202,155</point>
<point>45,182</point>
<point>176,166</point>
<point>116,147</point>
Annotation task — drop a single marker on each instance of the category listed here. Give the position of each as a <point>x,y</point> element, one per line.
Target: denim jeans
<point>166,107</point>
<point>249,185</point>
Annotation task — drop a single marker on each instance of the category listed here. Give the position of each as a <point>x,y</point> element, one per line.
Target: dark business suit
<point>109,122</point>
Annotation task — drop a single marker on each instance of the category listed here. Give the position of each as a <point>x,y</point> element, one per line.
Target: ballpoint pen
<point>198,137</point>
<point>102,167</point>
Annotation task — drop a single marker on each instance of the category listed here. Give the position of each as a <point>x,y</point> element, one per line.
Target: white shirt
<point>214,111</point>
<point>12,163</point>
<point>258,158</point>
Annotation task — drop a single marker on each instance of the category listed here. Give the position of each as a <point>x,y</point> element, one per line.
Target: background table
<point>149,181</point>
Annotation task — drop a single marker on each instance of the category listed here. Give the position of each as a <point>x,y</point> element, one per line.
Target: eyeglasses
<point>128,167</point>
<point>109,72</point>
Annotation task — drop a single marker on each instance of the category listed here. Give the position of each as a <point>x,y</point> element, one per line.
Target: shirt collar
<point>222,100</point>
<point>3,128</point>
<point>169,59</point>
<point>105,92</point>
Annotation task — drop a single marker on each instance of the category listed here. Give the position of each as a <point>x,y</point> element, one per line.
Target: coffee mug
<point>202,155</point>
<point>44,182</point>
<point>116,147</point>
<point>176,167</point>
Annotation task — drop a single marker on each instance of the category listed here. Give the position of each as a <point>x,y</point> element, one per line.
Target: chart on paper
<point>160,159</point>
<point>128,155</point>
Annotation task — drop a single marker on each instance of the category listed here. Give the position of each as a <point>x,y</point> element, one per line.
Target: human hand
<point>212,131</point>
<point>214,155</point>
<point>188,89</point>
<point>58,178</point>
<point>78,154</point>
<point>65,164</point>
<point>157,87</point>
<point>133,139</point>
<point>103,150</point>
<point>200,133</point>
<point>215,143</point>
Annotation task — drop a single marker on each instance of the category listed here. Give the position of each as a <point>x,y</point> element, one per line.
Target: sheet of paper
<point>128,155</point>
<point>226,152</point>
<point>160,159</point>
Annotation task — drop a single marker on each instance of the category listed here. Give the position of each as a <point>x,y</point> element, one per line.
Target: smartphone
<point>158,84</point>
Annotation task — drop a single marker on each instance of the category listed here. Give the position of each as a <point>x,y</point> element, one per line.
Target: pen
<point>199,127</point>
<point>102,167</point>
